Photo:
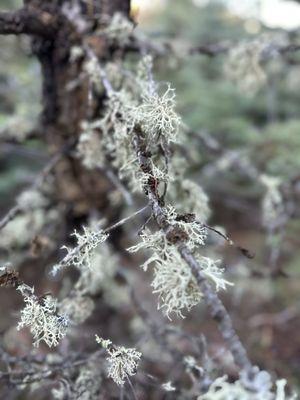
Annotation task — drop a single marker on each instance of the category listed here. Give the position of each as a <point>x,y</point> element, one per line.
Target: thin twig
<point>159,333</point>
<point>17,209</point>
<point>122,189</point>
<point>216,307</point>
<point>247,253</point>
<point>78,248</point>
<point>132,388</point>
<point>12,213</point>
<point>125,220</point>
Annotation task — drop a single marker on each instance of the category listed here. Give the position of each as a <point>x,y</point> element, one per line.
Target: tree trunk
<point>65,95</point>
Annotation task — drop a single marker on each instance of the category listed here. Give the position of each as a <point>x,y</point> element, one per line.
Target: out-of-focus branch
<point>12,213</point>
<point>17,376</point>
<point>17,209</point>
<point>28,21</point>
<point>162,49</point>
<point>160,333</point>
<point>166,48</point>
<point>271,319</point>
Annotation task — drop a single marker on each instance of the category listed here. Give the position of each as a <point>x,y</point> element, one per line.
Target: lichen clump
<point>122,361</point>
<point>221,389</point>
<point>40,315</point>
<point>173,279</point>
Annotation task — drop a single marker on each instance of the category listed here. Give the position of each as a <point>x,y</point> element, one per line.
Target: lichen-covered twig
<point>216,307</point>
<point>80,255</point>
<point>40,312</point>
<point>175,235</point>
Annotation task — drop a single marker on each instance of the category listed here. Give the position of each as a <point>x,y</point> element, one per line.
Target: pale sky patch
<point>273,13</point>
<point>280,14</point>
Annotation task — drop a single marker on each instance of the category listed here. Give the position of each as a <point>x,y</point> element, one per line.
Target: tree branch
<point>17,209</point>
<point>28,21</point>
<point>216,307</point>
<point>162,49</point>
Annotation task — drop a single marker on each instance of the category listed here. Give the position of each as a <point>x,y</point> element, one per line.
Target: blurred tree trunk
<point>65,95</point>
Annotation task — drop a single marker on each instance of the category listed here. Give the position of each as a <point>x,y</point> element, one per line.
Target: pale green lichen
<point>272,203</point>
<point>90,147</point>
<point>119,29</point>
<point>244,66</point>
<point>221,389</point>
<point>40,315</point>
<point>189,197</point>
<point>157,115</point>
<point>122,361</point>
<point>173,280</point>
<point>87,385</point>
<point>81,255</point>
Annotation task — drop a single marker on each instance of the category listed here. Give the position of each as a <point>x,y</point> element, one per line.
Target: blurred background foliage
<point>19,111</point>
<point>261,125</point>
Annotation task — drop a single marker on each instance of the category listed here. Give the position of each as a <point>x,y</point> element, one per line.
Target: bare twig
<point>272,319</point>
<point>159,333</point>
<point>17,209</point>
<point>118,184</point>
<point>126,219</point>
<point>132,388</point>
<point>12,213</point>
<point>243,250</point>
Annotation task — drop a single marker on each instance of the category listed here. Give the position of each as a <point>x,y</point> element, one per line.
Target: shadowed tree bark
<point>56,28</point>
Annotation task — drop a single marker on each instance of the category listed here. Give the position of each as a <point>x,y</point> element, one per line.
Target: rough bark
<point>28,21</point>
<point>54,32</point>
